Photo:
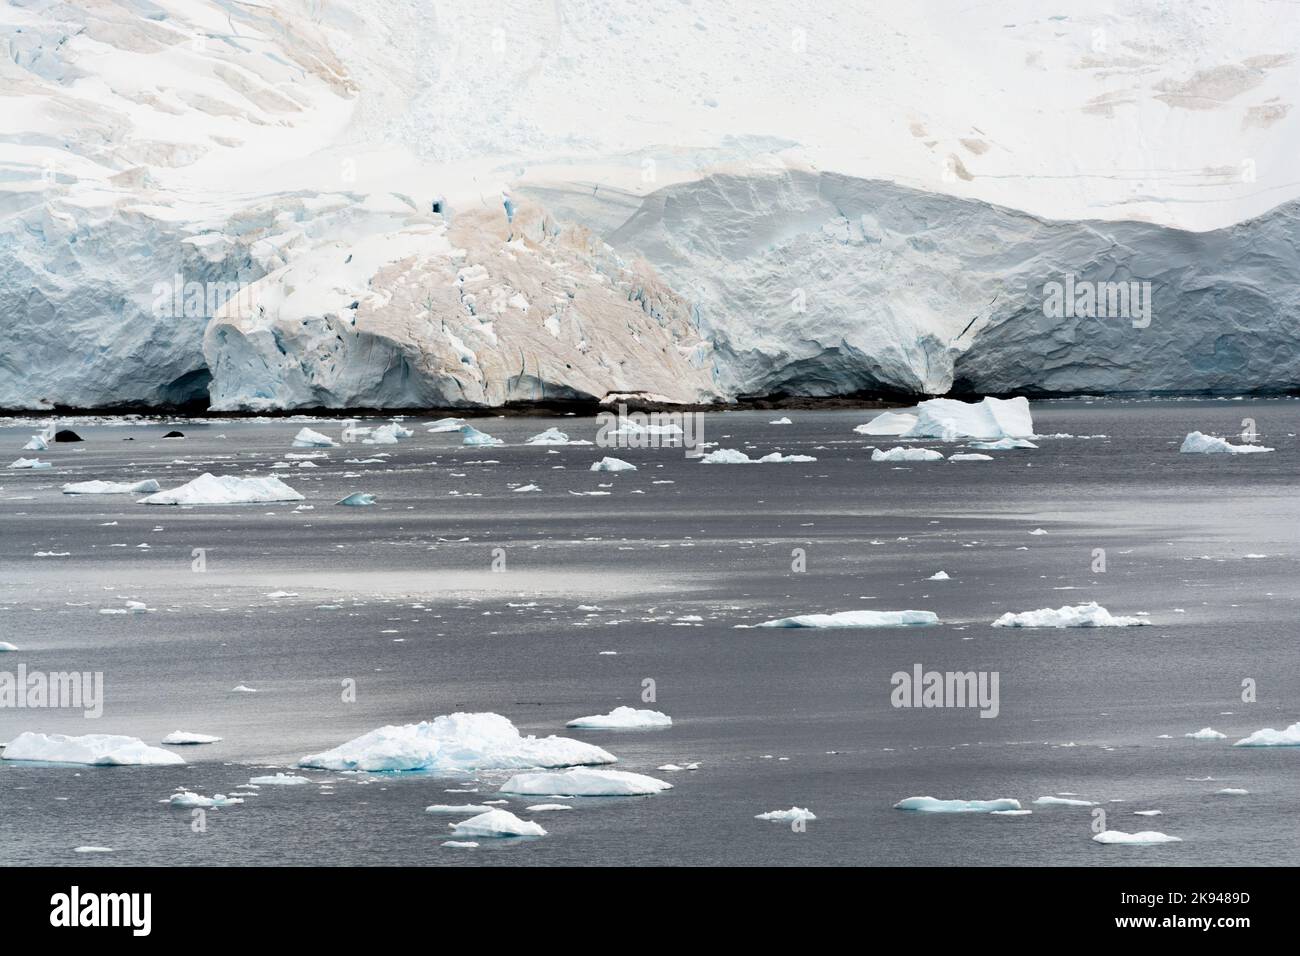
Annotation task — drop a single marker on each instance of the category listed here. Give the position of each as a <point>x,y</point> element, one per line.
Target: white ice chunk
<point>899,453</point>
<point>857,619</point>
<point>306,438</point>
<point>472,436</point>
<point>613,464</point>
<point>888,423</point>
<point>111,487</point>
<point>496,823</point>
<point>932,805</point>
<point>455,742</point>
<point>787,816</point>
<point>279,780</point>
<point>1144,838</point>
<point>623,718</point>
<point>101,750</point>
<point>208,489</point>
<point>1091,614</point>
<point>1196,443</point>
<point>184,737</point>
<point>1206,733</point>
<point>1268,737</point>
<point>187,799</point>
<point>584,782</point>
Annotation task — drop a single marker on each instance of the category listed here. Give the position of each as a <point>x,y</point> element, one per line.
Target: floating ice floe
<point>1233,792</point>
<point>781,421</point>
<point>1003,444</point>
<point>208,489</point>
<point>547,807</point>
<point>179,738</point>
<point>729,456</point>
<point>99,750</point>
<point>1196,443</point>
<point>496,823</point>
<point>472,436</point>
<point>187,799</point>
<point>949,419</point>
<point>584,782</point>
<point>457,808</point>
<point>306,438</point>
<point>6,647</point>
<point>623,718</point>
<point>33,464</point>
<point>526,488</point>
<point>857,619</point>
<point>445,425</point>
<point>1011,813</point>
<point>36,443</point>
<point>932,805</point>
<point>1063,802</point>
<point>1206,733</point>
<point>787,816</point>
<point>456,742</point>
<point>964,456</point>
<point>389,434</point>
<point>279,780</point>
<point>111,487</point>
<point>939,576</point>
<point>358,499</point>
<point>1268,737</point>
<point>1148,813</point>
<point>1091,614</point>
<point>899,453</point>
<point>613,464</point>
<point>1144,838</point>
<point>553,436</point>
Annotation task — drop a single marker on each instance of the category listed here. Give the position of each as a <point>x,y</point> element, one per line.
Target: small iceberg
<point>1003,444</point>
<point>187,799</point>
<point>623,718</point>
<point>457,808</point>
<point>888,423</point>
<point>613,464</point>
<point>149,486</point>
<point>781,421</point>
<point>358,499</point>
<point>445,425</point>
<point>965,456</point>
<point>725,456</point>
<point>939,576</point>
<point>553,436</point>
<point>456,742</point>
<point>584,782</point>
<point>1091,614</point>
<point>36,443</point>
<point>1268,737</point>
<point>1144,838</point>
<point>1196,443</point>
<point>931,805</point>
<point>1206,733</point>
<point>183,738</point>
<point>1063,802</point>
<point>1232,792</point>
<point>787,816</point>
<point>389,434</point>
<point>857,619</point>
<point>97,750</point>
<point>494,824</point>
<point>208,489</point>
<point>472,436</point>
<point>279,780</point>
<point>6,647</point>
<point>31,464</point>
<point>306,438</point>
<point>900,453</point>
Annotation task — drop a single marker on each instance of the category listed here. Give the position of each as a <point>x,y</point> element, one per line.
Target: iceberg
<point>6,647</point>
<point>787,816</point>
<point>553,436</point>
<point>1091,614</point>
<point>184,738</point>
<point>966,456</point>
<point>623,718</point>
<point>1003,444</point>
<point>613,464</point>
<point>1144,838</point>
<point>187,799</point>
<point>1196,443</point>
<point>888,423</point>
<point>458,808</point>
<point>1268,737</point>
<point>725,456</point>
<point>306,438</point>
<point>99,750</point>
<point>33,464</point>
<point>584,782</point>
<point>358,499</point>
<point>1063,802</point>
<point>36,443</point>
<point>472,436</point>
<point>900,453</point>
<point>208,489</point>
<point>932,805</point>
<point>111,487</point>
<point>857,619</point>
<point>279,779</point>
<point>389,434</point>
<point>1206,733</point>
<point>445,425</point>
<point>456,742</point>
<point>496,823</point>
<point>987,420</point>
<point>783,420</point>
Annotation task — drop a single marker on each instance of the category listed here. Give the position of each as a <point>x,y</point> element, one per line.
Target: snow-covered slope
<point>149,142</point>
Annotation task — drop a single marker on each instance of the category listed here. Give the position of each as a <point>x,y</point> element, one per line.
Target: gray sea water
<point>401,598</point>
